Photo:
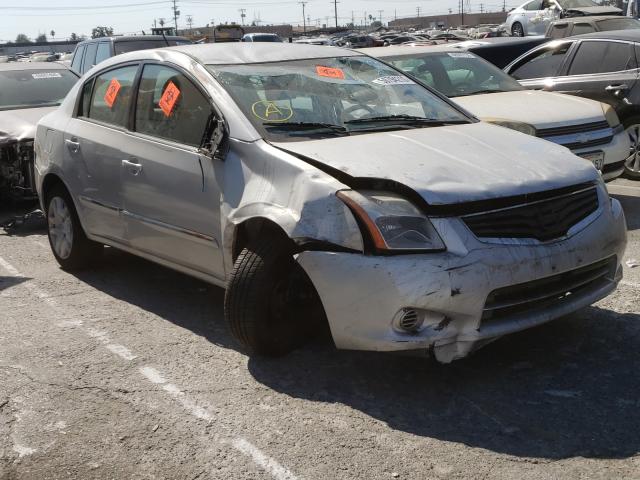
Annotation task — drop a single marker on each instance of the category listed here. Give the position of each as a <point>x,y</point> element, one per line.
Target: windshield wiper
<point>410,119</point>
<point>305,126</point>
<point>480,92</point>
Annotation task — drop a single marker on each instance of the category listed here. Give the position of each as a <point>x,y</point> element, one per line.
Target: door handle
<point>73,145</point>
<point>133,167</point>
<point>616,88</point>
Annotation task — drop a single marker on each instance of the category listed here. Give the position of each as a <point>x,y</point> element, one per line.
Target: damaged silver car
<point>28,91</point>
<point>319,185</point>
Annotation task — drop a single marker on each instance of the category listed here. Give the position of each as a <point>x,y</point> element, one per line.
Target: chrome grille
<point>570,129</point>
<point>579,136</point>
<point>543,220</point>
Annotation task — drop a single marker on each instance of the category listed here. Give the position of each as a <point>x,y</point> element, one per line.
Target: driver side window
<point>544,63</point>
<point>170,106</point>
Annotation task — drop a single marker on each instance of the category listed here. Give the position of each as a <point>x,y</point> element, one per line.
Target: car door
<point>530,14</point>
<point>610,79</point>
<point>170,188</point>
<point>540,69</point>
<point>93,146</point>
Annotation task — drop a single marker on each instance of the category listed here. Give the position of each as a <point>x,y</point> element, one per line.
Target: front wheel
<point>632,163</point>
<point>268,299</point>
<point>517,30</point>
<point>71,247</point>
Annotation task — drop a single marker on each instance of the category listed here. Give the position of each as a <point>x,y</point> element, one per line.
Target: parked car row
<point>321,186</point>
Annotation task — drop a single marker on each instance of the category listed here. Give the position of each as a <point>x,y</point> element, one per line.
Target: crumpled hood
<point>453,164</point>
<point>20,124</point>
<point>540,109</point>
<point>590,11</point>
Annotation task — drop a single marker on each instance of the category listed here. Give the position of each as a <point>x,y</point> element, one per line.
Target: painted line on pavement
<point>242,445</point>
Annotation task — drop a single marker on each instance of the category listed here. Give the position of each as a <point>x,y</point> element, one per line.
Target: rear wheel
<point>71,247</point>
<point>517,30</point>
<point>270,304</point>
<point>632,163</point>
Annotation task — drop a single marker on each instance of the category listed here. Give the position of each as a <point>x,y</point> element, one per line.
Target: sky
<point>33,17</point>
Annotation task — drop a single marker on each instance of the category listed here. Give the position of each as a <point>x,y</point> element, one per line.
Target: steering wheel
<point>356,107</point>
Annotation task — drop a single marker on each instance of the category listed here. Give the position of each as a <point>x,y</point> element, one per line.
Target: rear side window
<point>612,57</point>
<point>581,28</point>
<point>111,96</point>
<point>544,63</point>
<point>103,52</point>
<point>559,30</point>
<point>132,46</point>
<point>90,57</point>
<point>77,58</point>
<point>170,106</point>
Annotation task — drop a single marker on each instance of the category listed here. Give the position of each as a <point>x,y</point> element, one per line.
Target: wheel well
<point>49,182</point>
<point>257,228</point>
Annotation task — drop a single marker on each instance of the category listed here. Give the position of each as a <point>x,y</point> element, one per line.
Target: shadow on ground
<point>566,389</point>
<point>631,207</point>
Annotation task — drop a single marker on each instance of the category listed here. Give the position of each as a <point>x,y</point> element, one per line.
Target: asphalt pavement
<point>127,371</point>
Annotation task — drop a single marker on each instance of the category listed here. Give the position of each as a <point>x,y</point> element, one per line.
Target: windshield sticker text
<point>329,72</point>
<point>112,92</point>
<point>38,76</point>
<point>169,99</point>
<point>460,55</point>
<point>393,80</point>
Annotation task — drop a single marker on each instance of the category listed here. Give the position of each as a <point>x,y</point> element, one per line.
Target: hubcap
<point>60,227</point>
<point>632,163</point>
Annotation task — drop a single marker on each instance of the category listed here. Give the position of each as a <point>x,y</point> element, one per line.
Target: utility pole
<point>190,21</point>
<point>461,12</point>
<point>242,14</point>
<point>304,17</point>
<point>395,13</point>
<point>380,16</point>
<point>176,14</point>
<point>335,6</point>
<point>481,8</point>
<point>418,11</point>
<point>504,5</point>
<point>353,18</point>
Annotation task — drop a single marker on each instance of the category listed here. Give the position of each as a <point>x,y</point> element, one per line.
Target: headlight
<point>394,224</point>
<point>519,126</point>
<point>611,115</point>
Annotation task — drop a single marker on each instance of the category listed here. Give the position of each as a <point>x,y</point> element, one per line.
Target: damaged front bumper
<point>17,179</point>
<point>470,295</point>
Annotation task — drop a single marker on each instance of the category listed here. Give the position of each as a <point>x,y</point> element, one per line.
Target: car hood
<point>20,124</point>
<point>540,109</point>
<point>452,164</point>
<point>590,11</point>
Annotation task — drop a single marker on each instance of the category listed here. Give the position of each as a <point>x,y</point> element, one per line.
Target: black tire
<point>266,294</point>
<point>632,163</point>
<point>81,252</point>
<point>517,30</point>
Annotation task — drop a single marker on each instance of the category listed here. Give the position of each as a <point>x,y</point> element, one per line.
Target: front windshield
<point>34,88</point>
<point>301,99</point>
<point>569,4</point>
<point>455,74</point>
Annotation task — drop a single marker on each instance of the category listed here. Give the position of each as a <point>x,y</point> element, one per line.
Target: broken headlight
<point>394,224</point>
<point>513,125</point>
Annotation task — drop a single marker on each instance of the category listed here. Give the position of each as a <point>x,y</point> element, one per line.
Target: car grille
<point>579,136</point>
<point>543,220</point>
<point>546,292</point>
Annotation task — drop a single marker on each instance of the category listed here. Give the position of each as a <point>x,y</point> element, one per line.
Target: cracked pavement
<point>128,371</point>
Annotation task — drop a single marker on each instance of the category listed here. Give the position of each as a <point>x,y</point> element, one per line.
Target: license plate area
<point>597,158</point>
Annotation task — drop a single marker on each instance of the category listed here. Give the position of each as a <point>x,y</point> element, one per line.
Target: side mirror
<point>214,137</point>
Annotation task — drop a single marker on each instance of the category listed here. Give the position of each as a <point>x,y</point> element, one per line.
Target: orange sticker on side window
<point>112,92</point>
<point>329,72</point>
<point>169,99</point>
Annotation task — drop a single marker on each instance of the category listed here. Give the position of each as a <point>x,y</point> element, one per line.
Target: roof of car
<point>629,35</point>
<point>133,38</point>
<point>237,53</point>
<point>398,50</point>
<point>15,66</point>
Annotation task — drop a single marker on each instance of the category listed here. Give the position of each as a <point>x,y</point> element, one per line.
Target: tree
<point>22,38</point>
<point>74,37</point>
<point>101,32</point>
<point>42,38</point>
<point>52,34</point>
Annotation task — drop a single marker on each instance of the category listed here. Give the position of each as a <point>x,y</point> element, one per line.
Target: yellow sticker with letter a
<point>270,112</point>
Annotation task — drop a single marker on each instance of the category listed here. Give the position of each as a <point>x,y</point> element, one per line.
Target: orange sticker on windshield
<point>112,92</point>
<point>329,72</point>
<point>169,99</point>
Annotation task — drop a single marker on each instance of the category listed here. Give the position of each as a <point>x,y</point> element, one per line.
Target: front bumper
<point>362,294</point>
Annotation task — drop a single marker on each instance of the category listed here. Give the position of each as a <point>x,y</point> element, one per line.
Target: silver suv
<point>318,184</point>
